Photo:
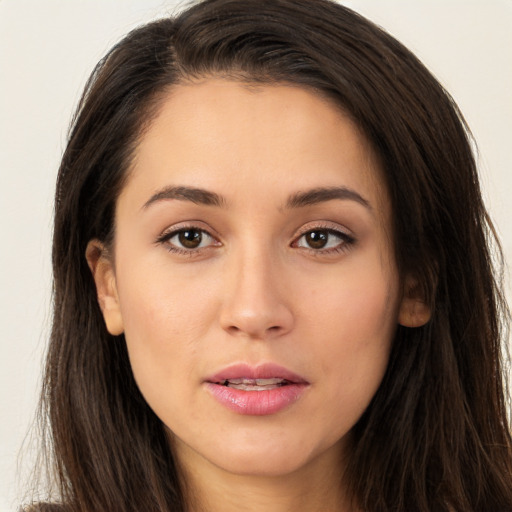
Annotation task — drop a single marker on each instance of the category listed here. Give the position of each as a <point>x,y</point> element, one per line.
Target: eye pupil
<point>190,238</point>
<point>317,239</point>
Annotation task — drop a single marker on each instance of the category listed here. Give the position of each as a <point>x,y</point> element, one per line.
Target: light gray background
<point>47,50</point>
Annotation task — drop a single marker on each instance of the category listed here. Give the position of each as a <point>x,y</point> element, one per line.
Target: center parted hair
<point>435,437</point>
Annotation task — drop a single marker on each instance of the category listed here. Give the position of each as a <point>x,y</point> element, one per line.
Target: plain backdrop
<point>47,50</point>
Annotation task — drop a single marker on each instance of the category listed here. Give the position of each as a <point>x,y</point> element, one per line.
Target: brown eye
<point>316,239</point>
<point>190,238</point>
<point>324,240</point>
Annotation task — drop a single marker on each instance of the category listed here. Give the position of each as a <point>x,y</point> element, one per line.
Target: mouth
<point>245,384</point>
<point>256,390</point>
<point>261,377</point>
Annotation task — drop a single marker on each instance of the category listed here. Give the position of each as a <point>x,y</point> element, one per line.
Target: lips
<point>260,372</point>
<point>260,390</point>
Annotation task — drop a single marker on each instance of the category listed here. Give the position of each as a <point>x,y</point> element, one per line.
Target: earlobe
<point>414,311</point>
<point>102,270</point>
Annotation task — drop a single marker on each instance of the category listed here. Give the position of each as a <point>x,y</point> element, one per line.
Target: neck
<point>316,486</point>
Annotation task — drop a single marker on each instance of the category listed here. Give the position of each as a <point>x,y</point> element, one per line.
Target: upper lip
<point>261,371</point>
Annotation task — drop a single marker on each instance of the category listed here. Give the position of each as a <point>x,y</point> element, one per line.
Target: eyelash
<point>166,237</point>
<point>345,243</point>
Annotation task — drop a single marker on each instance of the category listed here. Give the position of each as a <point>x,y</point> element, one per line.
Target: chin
<point>258,463</point>
<point>266,455</point>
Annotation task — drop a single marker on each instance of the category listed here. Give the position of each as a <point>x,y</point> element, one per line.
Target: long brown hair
<point>436,435</point>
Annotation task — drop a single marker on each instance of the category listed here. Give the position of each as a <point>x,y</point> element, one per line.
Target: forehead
<point>227,135</point>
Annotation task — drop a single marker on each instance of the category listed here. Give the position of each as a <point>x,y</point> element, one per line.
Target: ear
<point>102,269</point>
<point>413,312</point>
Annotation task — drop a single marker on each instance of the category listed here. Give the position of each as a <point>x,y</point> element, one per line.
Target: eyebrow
<point>195,195</point>
<point>297,200</point>
<point>323,194</point>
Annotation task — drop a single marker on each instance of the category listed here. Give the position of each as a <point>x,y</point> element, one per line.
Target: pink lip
<point>256,403</point>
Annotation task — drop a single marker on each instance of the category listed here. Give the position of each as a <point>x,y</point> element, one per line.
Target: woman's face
<point>253,276</point>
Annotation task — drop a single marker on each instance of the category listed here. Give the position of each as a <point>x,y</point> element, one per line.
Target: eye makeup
<point>320,239</point>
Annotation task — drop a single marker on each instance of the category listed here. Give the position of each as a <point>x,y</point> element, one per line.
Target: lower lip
<point>256,403</point>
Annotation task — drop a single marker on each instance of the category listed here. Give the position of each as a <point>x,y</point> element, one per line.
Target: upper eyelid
<point>333,227</point>
<point>173,233</point>
<point>182,226</point>
<point>344,237</point>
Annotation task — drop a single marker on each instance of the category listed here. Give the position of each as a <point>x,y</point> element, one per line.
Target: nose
<point>255,302</point>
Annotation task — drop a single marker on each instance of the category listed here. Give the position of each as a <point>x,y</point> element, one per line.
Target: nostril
<point>271,331</point>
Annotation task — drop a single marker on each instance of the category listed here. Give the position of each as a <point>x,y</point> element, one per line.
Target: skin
<point>255,290</point>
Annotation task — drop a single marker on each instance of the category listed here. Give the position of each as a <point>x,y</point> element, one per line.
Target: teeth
<point>255,384</point>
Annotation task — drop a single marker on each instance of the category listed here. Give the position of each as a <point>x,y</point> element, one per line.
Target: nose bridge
<point>256,305</point>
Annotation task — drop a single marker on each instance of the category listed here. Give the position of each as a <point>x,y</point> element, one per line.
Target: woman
<point>273,286</point>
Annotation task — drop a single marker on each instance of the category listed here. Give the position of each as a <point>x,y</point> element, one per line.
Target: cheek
<point>160,302</point>
<point>362,302</point>
<point>353,321</point>
<point>165,319</point>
